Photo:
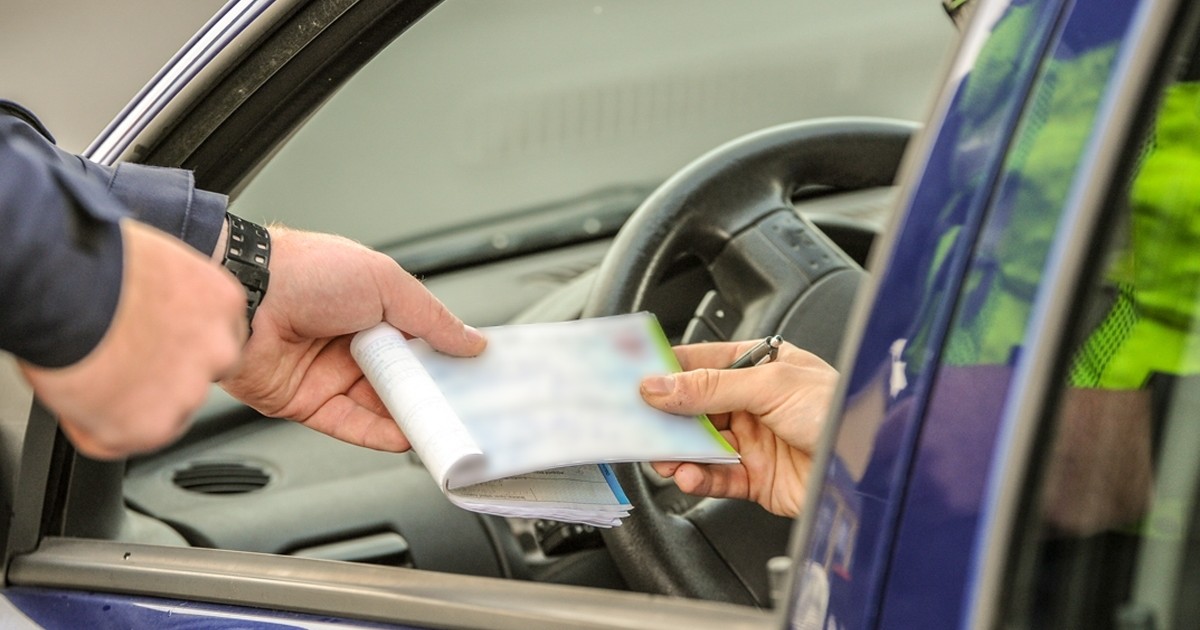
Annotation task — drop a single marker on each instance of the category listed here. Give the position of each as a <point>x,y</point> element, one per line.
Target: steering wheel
<point>774,272</point>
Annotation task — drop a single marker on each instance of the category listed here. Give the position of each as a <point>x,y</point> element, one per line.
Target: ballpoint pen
<point>763,352</point>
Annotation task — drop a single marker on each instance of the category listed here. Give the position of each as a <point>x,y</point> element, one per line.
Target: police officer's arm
<point>119,328</point>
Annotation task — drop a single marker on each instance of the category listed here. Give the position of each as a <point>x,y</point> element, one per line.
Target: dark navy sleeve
<point>165,198</point>
<point>168,199</point>
<point>60,241</point>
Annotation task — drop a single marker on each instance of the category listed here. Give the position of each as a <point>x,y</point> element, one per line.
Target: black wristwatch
<point>247,255</point>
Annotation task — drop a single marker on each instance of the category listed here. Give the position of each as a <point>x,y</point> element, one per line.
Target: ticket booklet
<point>528,428</point>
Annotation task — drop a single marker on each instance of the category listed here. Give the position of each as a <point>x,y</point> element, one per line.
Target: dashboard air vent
<point>221,478</point>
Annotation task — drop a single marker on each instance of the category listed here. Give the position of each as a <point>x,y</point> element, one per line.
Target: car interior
<point>496,150</point>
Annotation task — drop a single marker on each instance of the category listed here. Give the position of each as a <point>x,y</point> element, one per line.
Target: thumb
<point>710,391</point>
<point>411,307</point>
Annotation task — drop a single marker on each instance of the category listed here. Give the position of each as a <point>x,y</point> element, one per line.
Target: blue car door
<point>992,203</point>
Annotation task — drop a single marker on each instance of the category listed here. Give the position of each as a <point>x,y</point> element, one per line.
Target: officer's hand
<point>297,364</point>
<point>179,325</point>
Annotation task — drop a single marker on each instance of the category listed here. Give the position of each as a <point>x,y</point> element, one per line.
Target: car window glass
<point>486,109</point>
<point>1115,520</point>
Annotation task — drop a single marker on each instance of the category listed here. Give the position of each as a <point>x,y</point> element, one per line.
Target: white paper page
<point>549,395</point>
<point>578,494</point>
<point>415,402</point>
<point>572,485</point>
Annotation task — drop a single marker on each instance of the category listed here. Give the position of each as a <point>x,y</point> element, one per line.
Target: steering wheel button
<point>719,315</point>
<point>802,244</point>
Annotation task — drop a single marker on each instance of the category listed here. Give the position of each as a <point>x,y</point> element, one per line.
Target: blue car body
<point>50,608</point>
<point>918,504</point>
<point>903,539</point>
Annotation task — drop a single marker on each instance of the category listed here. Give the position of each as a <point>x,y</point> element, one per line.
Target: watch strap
<point>247,256</point>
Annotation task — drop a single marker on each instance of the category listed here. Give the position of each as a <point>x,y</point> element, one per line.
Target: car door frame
<point>1021,419</point>
<point>1156,34</point>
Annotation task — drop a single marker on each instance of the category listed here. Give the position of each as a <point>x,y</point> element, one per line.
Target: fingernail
<point>473,335</point>
<point>659,385</point>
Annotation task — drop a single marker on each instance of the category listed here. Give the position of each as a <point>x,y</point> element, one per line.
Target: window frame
<point>1010,511</point>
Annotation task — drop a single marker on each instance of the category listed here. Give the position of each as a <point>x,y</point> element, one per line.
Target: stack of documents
<point>527,428</point>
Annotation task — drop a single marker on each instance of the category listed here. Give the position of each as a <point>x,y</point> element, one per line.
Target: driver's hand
<point>772,414</point>
<point>297,363</point>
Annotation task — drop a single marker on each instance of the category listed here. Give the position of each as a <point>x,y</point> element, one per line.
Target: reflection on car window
<point>1116,522</point>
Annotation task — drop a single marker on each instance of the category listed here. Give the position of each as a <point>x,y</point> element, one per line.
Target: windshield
<point>560,111</point>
